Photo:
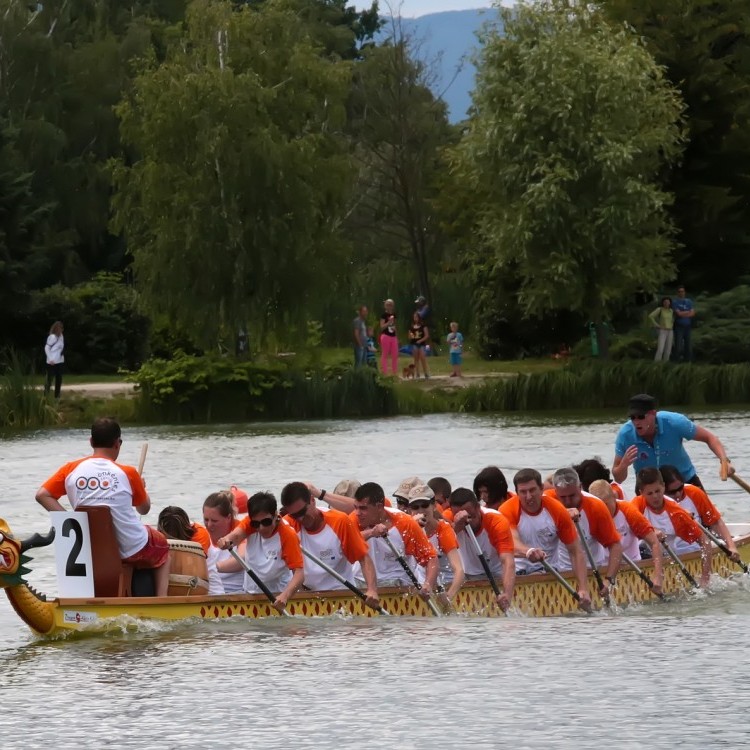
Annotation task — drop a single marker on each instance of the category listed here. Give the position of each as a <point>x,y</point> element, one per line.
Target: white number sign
<point>75,571</point>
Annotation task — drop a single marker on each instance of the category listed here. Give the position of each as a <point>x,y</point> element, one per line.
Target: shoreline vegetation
<point>199,390</point>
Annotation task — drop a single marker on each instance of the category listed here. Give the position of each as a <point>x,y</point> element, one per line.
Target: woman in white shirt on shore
<point>53,350</point>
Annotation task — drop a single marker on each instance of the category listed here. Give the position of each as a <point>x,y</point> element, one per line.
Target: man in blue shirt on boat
<point>652,439</point>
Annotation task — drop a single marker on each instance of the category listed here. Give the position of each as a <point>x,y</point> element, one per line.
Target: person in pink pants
<point>388,338</point>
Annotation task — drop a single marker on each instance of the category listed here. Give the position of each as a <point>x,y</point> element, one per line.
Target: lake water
<point>656,676</point>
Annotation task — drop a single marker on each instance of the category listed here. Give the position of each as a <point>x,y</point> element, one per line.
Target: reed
<point>22,405</point>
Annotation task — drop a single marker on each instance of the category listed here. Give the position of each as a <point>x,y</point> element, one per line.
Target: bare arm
<point>621,463</point>
<point>615,558</point>
<point>371,577</point>
<point>713,442</point>
<point>337,502</point>
<point>720,528</point>
<point>657,555</point>
<point>431,573</point>
<point>298,578</point>
<point>579,569</point>
<point>45,499</point>
<point>144,507</point>
<point>454,558</point>
<point>509,575</point>
<point>232,539</point>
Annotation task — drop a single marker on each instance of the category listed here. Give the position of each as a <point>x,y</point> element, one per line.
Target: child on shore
<point>456,348</point>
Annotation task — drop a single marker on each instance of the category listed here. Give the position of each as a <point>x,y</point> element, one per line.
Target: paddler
<point>333,537</point>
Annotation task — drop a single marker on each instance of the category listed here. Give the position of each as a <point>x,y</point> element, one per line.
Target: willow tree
<point>238,177</point>
<point>572,123</point>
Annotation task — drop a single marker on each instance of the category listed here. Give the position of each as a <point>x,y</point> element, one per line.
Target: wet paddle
<point>560,580</point>
<point>643,576</point>
<point>262,586</point>
<point>405,565</point>
<point>483,560</point>
<point>592,563</point>
<point>142,459</point>
<point>685,572</point>
<point>335,574</point>
<point>722,545</point>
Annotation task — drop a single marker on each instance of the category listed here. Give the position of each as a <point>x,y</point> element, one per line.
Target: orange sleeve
<point>708,512</point>
<point>416,542</point>
<point>448,514</point>
<point>55,485</point>
<point>499,533</point>
<point>511,510</point>
<point>617,489</point>
<point>244,524</point>
<point>290,547</point>
<point>347,530</point>
<point>683,523</point>
<point>566,529</point>
<point>601,523</point>
<point>387,503</point>
<point>639,503</point>
<point>446,537</point>
<point>201,535</point>
<point>136,484</point>
<point>636,520</point>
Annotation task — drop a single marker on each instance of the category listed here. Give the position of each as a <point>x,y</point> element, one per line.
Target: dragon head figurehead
<point>12,557</point>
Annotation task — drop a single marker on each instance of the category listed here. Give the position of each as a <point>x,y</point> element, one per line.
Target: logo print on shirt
<point>105,480</point>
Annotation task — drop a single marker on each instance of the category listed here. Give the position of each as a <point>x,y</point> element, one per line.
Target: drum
<point>188,571</point>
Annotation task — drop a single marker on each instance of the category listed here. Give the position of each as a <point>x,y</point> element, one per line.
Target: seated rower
<point>681,532</point>
<point>220,517</point>
<point>404,533</point>
<point>441,536</point>
<point>441,488</point>
<point>495,538</point>
<point>98,480</point>
<point>541,526</point>
<point>595,524</point>
<point>401,493</point>
<point>272,549</point>
<point>343,502</point>
<point>174,524</point>
<point>491,487</point>
<point>333,537</point>
<point>696,502</point>
<point>632,526</point>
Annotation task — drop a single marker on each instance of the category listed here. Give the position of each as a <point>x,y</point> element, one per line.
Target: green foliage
<point>22,405</point>
<point>723,327</point>
<point>240,176</point>
<point>573,123</point>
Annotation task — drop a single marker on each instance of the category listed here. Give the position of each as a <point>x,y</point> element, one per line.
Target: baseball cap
<point>406,485</point>
<point>641,404</point>
<point>347,487</point>
<point>420,492</point>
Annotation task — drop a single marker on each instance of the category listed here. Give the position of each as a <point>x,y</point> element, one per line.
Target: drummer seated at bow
<point>493,533</point>
<point>272,550</point>
<point>632,526</point>
<point>379,523</point>
<point>594,523</point>
<point>696,502</point>
<point>98,480</point>
<point>670,521</point>
<point>541,527</point>
<point>330,535</point>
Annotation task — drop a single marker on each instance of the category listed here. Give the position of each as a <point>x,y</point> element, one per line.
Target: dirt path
<point>99,390</point>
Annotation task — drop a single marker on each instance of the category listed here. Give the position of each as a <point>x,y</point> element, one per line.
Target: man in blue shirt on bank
<point>652,439</point>
<point>684,311</point>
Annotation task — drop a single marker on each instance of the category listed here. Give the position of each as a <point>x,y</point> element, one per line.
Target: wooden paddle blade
<point>741,482</point>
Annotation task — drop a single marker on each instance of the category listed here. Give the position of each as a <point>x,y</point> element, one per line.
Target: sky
<point>415,8</point>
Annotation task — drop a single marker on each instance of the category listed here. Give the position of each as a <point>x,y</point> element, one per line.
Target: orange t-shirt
<point>290,548</point>
<point>566,529</point>
<point>497,527</point>
<point>201,535</point>
<point>708,512</point>
<point>416,542</point>
<point>446,537</point>
<point>636,520</point>
<point>346,529</point>
<point>617,489</point>
<point>601,524</point>
<point>684,526</point>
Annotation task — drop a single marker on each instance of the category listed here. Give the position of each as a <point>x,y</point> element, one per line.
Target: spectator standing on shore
<point>419,335</point>
<point>456,350</point>
<point>360,337</point>
<point>55,358</point>
<point>372,350</point>
<point>684,311</point>
<point>388,338</point>
<point>663,319</point>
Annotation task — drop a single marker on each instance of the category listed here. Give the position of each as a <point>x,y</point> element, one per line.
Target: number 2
<point>73,568</point>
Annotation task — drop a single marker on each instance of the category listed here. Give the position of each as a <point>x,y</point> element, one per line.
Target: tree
<point>705,46</point>
<point>240,176</point>
<point>572,124</point>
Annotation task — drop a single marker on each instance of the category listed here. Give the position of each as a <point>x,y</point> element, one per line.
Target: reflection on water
<point>653,676</point>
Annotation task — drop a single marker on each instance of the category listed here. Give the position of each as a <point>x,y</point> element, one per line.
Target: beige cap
<point>420,492</point>
<point>347,487</point>
<point>403,489</point>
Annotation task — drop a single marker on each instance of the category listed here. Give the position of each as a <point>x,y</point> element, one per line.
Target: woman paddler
<point>220,517</point>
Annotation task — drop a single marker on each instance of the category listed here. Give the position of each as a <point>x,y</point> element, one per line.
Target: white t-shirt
<point>54,348</point>
<point>234,582</point>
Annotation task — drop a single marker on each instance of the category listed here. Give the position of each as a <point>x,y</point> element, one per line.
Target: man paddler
<point>542,527</point>
<point>333,537</point>
<point>495,539</point>
<point>98,480</point>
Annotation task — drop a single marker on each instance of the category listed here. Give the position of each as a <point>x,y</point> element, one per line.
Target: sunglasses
<point>637,416</point>
<point>676,490</point>
<point>299,514</point>
<point>263,522</point>
<point>420,505</point>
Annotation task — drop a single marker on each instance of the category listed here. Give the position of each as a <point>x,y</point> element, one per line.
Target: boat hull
<point>538,595</point>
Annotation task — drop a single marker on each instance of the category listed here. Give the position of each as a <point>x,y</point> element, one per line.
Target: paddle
<point>483,560</point>
<point>592,563</point>
<point>721,544</point>
<point>262,586</point>
<point>685,572</point>
<point>643,576</point>
<point>405,565</point>
<point>142,459</point>
<point>335,574</point>
<point>561,580</point>
<point>740,481</point>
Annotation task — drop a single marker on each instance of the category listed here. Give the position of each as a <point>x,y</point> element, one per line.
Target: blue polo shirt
<point>683,305</point>
<point>671,429</point>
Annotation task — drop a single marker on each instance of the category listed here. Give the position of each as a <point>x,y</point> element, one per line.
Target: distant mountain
<point>446,42</point>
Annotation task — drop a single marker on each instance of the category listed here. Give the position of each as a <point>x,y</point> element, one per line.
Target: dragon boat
<point>536,595</point>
